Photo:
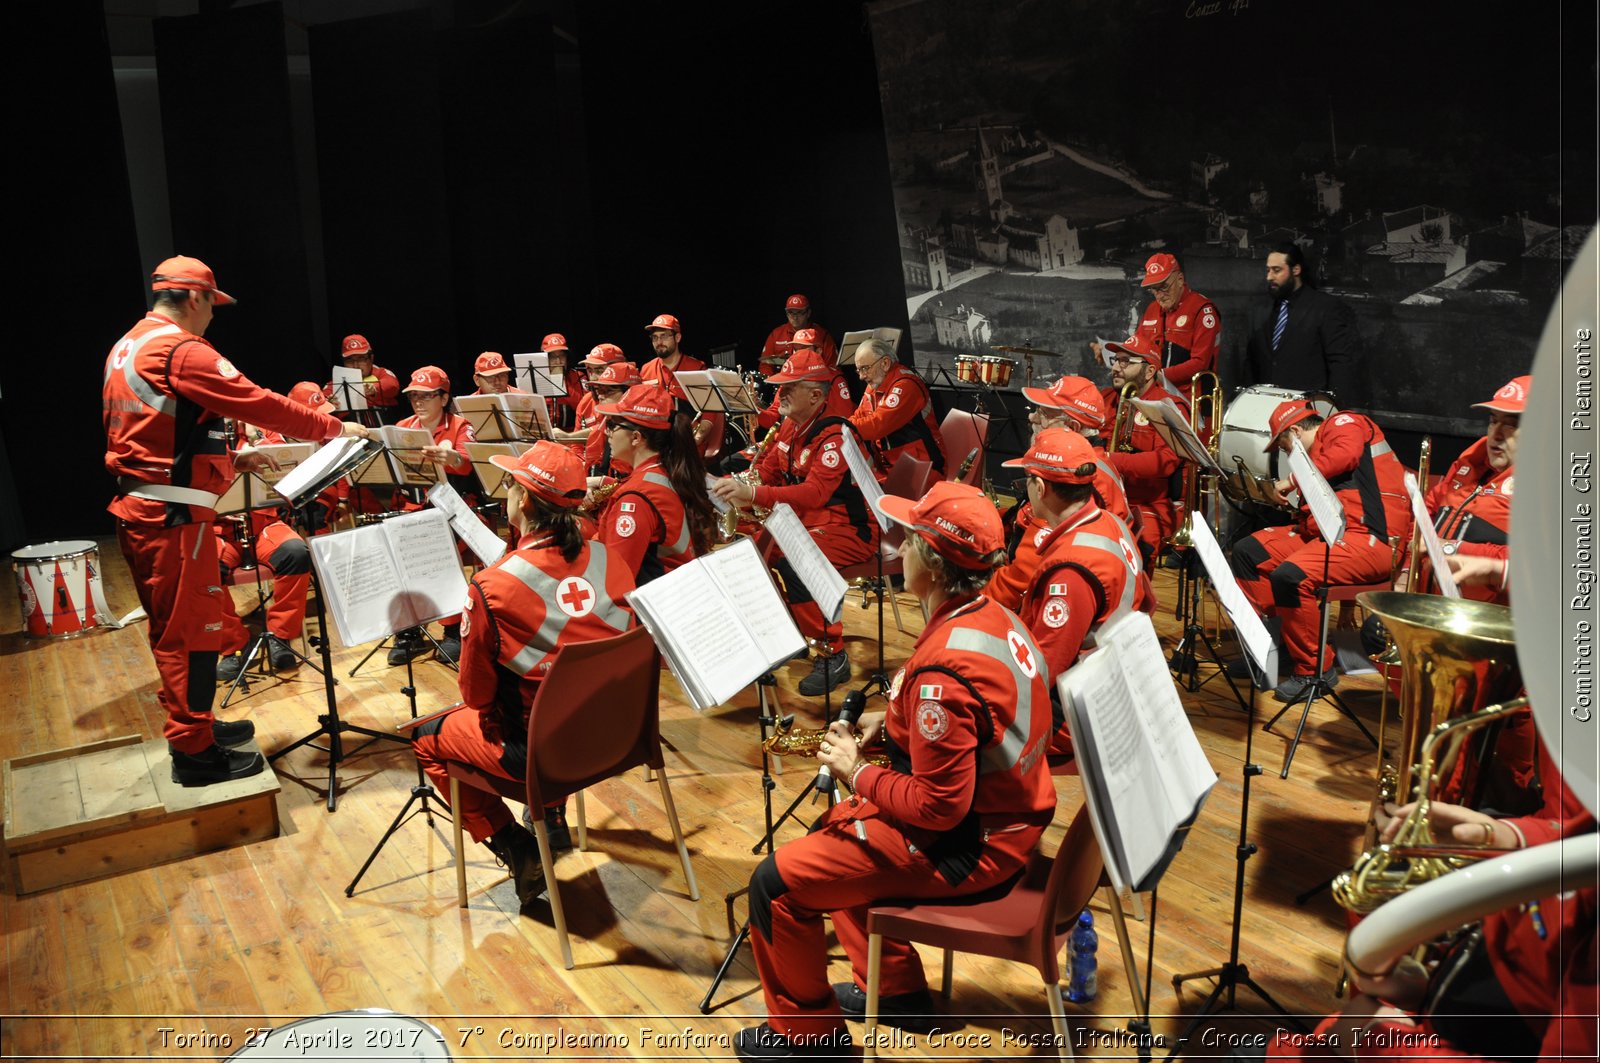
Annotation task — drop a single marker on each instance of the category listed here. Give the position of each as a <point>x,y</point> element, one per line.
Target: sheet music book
<point>1430,541</point>
<point>534,375</point>
<point>1173,427</point>
<point>495,480</point>
<point>253,490</point>
<point>400,463</point>
<point>719,621</point>
<point>1145,776</point>
<point>861,469</point>
<point>1253,634</point>
<point>332,454</point>
<point>390,576</point>
<point>1326,509</point>
<point>719,391</point>
<point>716,500</point>
<point>510,416</point>
<point>349,389</point>
<point>479,539</point>
<point>827,587</point>
<point>883,333</point>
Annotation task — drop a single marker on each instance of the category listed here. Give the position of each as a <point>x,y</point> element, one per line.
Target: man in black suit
<point>1309,340</point>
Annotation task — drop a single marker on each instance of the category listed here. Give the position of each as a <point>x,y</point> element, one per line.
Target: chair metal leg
<point>461,855</point>
<point>874,984</point>
<point>583,825</point>
<point>677,835</point>
<point>894,603</point>
<point>542,834</point>
<point>948,974</point>
<point>1058,1018</point>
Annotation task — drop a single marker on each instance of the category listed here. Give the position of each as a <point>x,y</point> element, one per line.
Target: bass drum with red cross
<point>59,584</point>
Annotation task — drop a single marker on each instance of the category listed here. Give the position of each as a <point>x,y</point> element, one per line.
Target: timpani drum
<point>967,366</point>
<point>59,584</point>
<point>370,1034</point>
<point>1244,426</point>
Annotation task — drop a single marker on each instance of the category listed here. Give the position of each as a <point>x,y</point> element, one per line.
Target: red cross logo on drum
<point>1021,653</point>
<point>575,596</point>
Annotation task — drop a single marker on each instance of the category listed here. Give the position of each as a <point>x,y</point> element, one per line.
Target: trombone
<point>1200,485</point>
<point>1120,425</point>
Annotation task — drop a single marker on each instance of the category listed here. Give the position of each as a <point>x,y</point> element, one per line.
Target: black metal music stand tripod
<point>1232,974</point>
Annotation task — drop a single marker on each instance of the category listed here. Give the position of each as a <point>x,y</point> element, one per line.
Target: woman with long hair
<point>660,517</point>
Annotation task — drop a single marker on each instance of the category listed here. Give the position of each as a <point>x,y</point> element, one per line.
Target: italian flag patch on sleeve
<point>1056,590</point>
<point>930,692</point>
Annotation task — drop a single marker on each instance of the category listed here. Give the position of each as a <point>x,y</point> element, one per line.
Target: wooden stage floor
<point>182,960</point>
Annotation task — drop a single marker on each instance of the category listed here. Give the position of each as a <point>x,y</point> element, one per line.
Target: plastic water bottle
<point>1082,945</point>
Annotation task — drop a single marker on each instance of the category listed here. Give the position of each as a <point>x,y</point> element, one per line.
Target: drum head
<point>56,551</point>
<point>370,1034</point>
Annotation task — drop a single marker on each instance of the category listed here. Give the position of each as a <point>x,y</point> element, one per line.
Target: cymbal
<point>1024,350</point>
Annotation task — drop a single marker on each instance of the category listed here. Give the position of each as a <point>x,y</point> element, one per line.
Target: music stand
<point>329,723</point>
<point>718,391</point>
<point>350,397</point>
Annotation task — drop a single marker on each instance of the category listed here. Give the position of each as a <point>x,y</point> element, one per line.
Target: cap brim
<point>1015,463</point>
<point>810,377</point>
<point>1150,280</point>
<point>1040,397</point>
<point>504,463</point>
<point>221,298</point>
<point>493,372</point>
<point>896,509</point>
<point>1499,407</point>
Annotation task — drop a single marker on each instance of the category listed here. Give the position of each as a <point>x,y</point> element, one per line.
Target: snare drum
<point>1245,426</point>
<point>59,584</point>
<point>370,1033</point>
<point>967,368</point>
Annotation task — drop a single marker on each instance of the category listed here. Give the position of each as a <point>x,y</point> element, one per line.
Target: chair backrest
<point>1074,876</point>
<point>963,433</point>
<point>597,714</point>
<point>908,478</point>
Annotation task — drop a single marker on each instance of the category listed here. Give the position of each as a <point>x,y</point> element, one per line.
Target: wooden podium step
<point>108,807</point>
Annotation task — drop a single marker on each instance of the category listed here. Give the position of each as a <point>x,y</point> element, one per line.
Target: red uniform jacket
<point>806,469</point>
<point>1356,460</point>
<point>643,524</point>
<point>839,403</point>
<point>1147,469</point>
<point>1188,337</point>
<point>454,429</point>
<point>655,371</point>
<point>164,395</point>
<point>777,349</point>
<point>897,418</point>
<point>966,730</point>
<point>591,450</point>
<point>1471,505</point>
<point>1088,573</point>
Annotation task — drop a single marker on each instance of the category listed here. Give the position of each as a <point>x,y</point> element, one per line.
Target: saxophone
<point>787,740</point>
<point>751,476</point>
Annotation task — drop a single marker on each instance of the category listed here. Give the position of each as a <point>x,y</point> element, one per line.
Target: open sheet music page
<point>861,469</point>
<point>349,390</point>
<point>535,376</point>
<point>480,412</point>
<point>479,539</point>
<point>1430,541</point>
<point>390,576</point>
<point>1136,751</point>
<point>494,479</point>
<point>719,622</point>
<point>1179,436</point>
<point>318,465</point>
<point>884,334</point>
<point>1253,634</point>
<point>1326,508</point>
<point>716,500</point>
<point>718,390</point>
<point>253,490</point>
<point>527,413</point>
<point>402,462</point>
<point>827,587</point>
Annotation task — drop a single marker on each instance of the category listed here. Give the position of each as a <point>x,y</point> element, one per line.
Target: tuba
<point>1460,668</point>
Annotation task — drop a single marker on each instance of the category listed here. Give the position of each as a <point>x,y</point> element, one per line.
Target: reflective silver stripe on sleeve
<point>1380,449</point>
<point>612,613</point>
<point>680,545</point>
<point>142,388</point>
<point>1003,755</point>
<point>1110,470</point>
<point>1114,548</point>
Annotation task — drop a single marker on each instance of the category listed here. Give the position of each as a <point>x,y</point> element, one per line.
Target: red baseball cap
<point>665,322</point>
<point>428,378</point>
<point>553,342</point>
<point>805,337</point>
<point>956,519</point>
<point>189,274</point>
<point>354,344</point>
<point>308,394</point>
<point>549,470</point>
<point>797,302</point>
<point>1074,395</point>
<point>646,405</point>
<point>1058,454</point>
<point>617,375</point>
<point>490,363</point>
<point>603,354</point>
<point>1512,396</point>
<point>804,365</point>
<point>1286,415</point>
<point>1136,346</point>
<point>1158,269</point>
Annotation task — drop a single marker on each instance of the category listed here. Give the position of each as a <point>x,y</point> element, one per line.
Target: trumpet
<point>1120,424</point>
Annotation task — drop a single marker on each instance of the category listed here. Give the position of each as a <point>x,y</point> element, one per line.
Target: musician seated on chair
<point>1519,985</point>
<point>1087,571</point>
<point>1147,465</point>
<point>554,589</point>
<point>286,558</point>
<point>586,420</point>
<point>840,404</point>
<point>608,385</point>
<point>959,809</point>
<point>895,415</point>
<point>1072,403</point>
<point>666,335</point>
<point>492,375</point>
<point>805,468</point>
<point>1280,568</point>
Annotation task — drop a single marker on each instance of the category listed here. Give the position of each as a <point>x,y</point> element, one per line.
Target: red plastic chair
<point>962,433</point>
<point>1029,924</point>
<point>597,714</point>
<point>907,479</point>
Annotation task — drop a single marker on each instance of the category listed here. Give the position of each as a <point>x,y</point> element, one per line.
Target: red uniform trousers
<point>1158,519</point>
<point>1279,571</point>
<point>466,736</point>
<point>833,870</point>
<point>842,546</point>
<point>288,563</point>
<point>175,572</point>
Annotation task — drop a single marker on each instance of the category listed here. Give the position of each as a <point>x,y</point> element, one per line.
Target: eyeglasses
<point>612,425</point>
<point>417,396</point>
<point>1127,361</point>
<point>1165,286</point>
<point>862,367</point>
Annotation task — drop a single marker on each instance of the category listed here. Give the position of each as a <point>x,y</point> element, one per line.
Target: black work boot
<point>215,764</point>
<point>519,851</point>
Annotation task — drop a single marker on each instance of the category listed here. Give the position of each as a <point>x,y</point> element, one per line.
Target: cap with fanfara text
<point>956,519</point>
<point>1060,455</point>
<point>646,405</point>
<point>549,470</point>
<point>1286,415</point>
<point>1074,395</point>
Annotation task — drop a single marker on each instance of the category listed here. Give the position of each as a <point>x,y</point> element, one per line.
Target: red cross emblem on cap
<point>1021,654</point>
<point>1152,267</point>
<point>575,596</point>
